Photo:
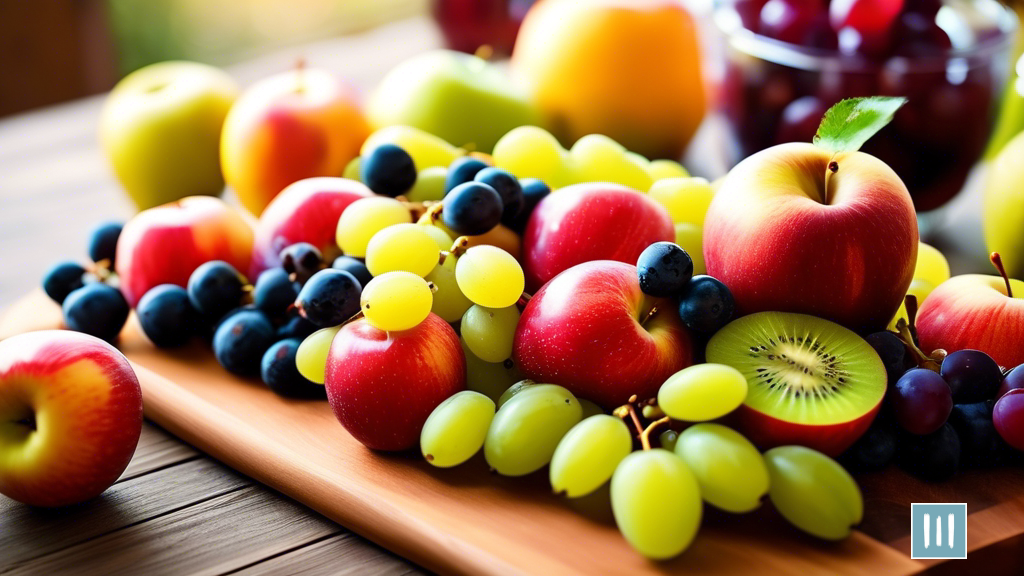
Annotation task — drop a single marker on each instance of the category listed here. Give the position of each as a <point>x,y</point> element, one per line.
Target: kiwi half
<point>802,369</point>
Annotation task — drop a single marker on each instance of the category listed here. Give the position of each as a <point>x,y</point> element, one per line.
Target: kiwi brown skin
<point>830,439</point>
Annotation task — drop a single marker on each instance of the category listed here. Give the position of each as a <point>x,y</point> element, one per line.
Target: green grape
<point>364,218</point>
<point>426,149</point>
<point>588,454</point>
<point>932,266</point>
<point>429,186</point>
<point>589,408</point>
<point>656,502</point>
<point>921,289</point>
<point>489,378</point>
<point>686,199</point>
<point>702,392</point>
<point>406,247</point>
<point>489,331</point>
<point>449,301</point>
<point>691,237</point>
<point>643,178</point>
<point>668,439</point>
<point>352,169</point>
<point>311,357</point>
<point>490,277</point>
<point>456,429</point>
<point>441,238</point>
<point>661,169</point>
<point>598,158</point>
<point>527,428</point>
<point>530,152</point>
<point>516,388</point>
<point>731,473</point>
<point>813,492</point>
<point>396,301</point>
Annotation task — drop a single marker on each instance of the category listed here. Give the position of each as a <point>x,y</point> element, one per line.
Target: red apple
<point>785,232</point>
<point>592,221</point>
<point>163,245</point>
<point>70,417</point>
<point>306,211</point>
<point>586,330</point>
<point>972,311</point>
<point>383,385</point>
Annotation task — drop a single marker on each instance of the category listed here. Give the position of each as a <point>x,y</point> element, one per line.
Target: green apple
<point>161,128</point>
<point>1004,206</point>
<point>461,98</point>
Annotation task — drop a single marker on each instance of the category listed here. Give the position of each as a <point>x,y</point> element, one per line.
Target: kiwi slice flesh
<point>801,368</point>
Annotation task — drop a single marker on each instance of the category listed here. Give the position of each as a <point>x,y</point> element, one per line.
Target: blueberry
<point>96,309</point>
<point>354,267</point>
<point>167,316</point>
<point>534,191</point>
<point>302,259</point>
<point>63,279</point>
<point>240,341</point>
<point>274,292</point>
<point>931,457</point>
<point>462,170</point>
<point>664,269</point>
<point>296,327</point>
<point>388,170</point>
<point>892,351</point>
<point>103,242</point>
<point>216,288</point>
<point>972,375</point>
<point>471,209</point>
<point>507,187</point>
<point>329,298</point>
<point>980,443</point>
<point>874,450</point>
<point>282,376</point>
<point>706,304</point>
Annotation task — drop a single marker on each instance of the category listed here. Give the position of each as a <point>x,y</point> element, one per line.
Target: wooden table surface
<point>174,511</point>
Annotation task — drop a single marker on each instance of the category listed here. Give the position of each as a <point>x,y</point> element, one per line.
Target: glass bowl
<point>773,92</point>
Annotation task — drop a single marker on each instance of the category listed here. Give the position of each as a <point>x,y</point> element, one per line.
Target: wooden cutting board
<point>468,521</point>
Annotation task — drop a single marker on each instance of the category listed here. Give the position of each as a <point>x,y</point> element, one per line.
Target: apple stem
<point>650,314</point>
<point>300,68</point>
<point>997,261</point>
<point>484,52</point>
<point>460,246</point>
<point>645,436</point>
<point>28,422</point>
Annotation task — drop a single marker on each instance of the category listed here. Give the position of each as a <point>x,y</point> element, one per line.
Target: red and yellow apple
<point>786,232</point>
<point>383,385</point>
<point>972,311</point>
<point>306,211</point>
<point>70,417</point>
<point>297,124</point>
<point>593,221</point>
<point>588,330</point>
<point>629,69</point>
<point>163,245</point>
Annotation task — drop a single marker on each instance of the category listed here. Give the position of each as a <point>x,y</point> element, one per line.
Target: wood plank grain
<point>27,533</point>
<point>340,555</point>
<point>209,538</point>
<point>156,449</point>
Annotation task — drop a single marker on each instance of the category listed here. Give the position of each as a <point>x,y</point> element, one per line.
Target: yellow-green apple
<point>160,128</point>
<point>306,211</point>
<point>592,330</point>
<point>294,125</point>
<point>461,98</point>
<point>591,221</point>
<point>163,245</point>
<point>70,417</point>
<point>1004,206</point>
<point>796,228</point>
<point>629,69</point>
<point>973,311</point>
<point>383,385</point>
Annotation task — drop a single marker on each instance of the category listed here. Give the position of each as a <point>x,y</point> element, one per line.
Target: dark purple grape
<point>63,279</point>
<point>296,327</point>
<point>274,292</point>
<point>892,351</point>
<point>462,170</point>
<point>507,186</point>
<point>215,288</point>
<point>664,269</point>
<point>302,259</point>
<point>471,209</point>
<point>388,170</point>
<point>980,443</point>
<point>933,457</point>
<point>706,304</point>
<point>800,120</point>
<point>1013,380</point>
<point>1008,417</point>
<point>918,35</point>
<point>329,298</point>
<point>534,191</point>
<point>96,309</point>
<point>354,267</point>
<point>241,340</point>
<point>103,243</point>
<point>872,451</point>
<point>167,316</point>
<point>789,20</point>
<point>972,375</point>
<point>921,401</point>
<point>279,373</point>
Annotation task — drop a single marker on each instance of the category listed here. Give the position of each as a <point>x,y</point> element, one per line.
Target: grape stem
<point>997,261</point>
<point>627,409</point>
<point>922,359</point>
<point>460,245</point>
<point>645,436</point>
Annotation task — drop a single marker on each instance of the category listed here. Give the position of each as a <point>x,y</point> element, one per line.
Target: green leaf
<point>852,122</point>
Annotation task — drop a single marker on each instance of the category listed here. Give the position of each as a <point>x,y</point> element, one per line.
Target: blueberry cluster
<point>937,416</point>
<point>705,304</point>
